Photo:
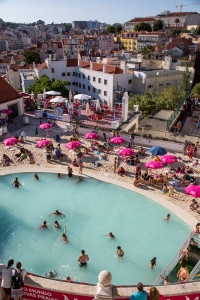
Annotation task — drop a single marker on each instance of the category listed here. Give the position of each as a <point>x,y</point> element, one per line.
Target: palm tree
<point>177,21</point>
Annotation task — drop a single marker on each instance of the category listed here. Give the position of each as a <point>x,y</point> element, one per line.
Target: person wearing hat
<point>140,294</point>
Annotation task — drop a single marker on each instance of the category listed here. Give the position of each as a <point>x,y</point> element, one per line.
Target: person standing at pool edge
<point>7,278</point>
<point>83,258</point>
<point>140,294</point>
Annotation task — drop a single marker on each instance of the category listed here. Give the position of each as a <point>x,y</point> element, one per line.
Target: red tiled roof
<point>99,67</point>
<point>16,67</point>
<point>7,93</point>
<point>138,20</point>
<point>72,62</point>
<point>177,41</point>
<point>42,66</point>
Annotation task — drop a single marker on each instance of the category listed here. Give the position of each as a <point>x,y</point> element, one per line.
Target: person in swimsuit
<point>152,263</point>
<point>44,225</point>
<point>196,229</point>
<point>79,179</point>
<point>83,258</point>
<point>164,189</point>
<point>36,176</point>
<point>70,172</point>
<point>167,218</point>
<point>64,237</point>
<point>120,252</point>
<point>57,213</point>
<point>111,235</point>
<point>192,241</point>
<point>17,183</point>
<point>165,278</point>
<point>183,273</point>
<point>184,254</point>
<point>57,225</point>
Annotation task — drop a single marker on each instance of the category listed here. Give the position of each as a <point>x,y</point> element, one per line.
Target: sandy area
<point>180,198</point>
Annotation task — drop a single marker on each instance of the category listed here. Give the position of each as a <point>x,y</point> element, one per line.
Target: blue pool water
<point>92,209</point>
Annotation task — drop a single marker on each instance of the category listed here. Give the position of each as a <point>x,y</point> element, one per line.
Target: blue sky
<point>109,11</point>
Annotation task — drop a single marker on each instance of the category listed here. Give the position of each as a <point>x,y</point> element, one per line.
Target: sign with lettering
<point>58,117</point>
<point>34,293</point>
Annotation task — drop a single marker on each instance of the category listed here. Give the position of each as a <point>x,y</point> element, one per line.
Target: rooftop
<point>7,93</point>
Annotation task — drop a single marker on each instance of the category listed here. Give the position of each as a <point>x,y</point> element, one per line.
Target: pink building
<point>106,42</point>
<point>50,48</point>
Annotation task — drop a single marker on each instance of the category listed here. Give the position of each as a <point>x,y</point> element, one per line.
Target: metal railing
<point>177,110</point>
<point>196,269</point>
<point>173,262</point>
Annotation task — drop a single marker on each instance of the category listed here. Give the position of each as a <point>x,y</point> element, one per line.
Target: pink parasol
<point>154,164</point>
<point>6,111</point>
<point>10,142</point>
<point>91,136</point>
<point>168,159</point>
<point>45,126</point>
<point>43,143</point>
<point>126,152</point>
<point>73,145</point>
<point>118,140</point>
<point>193,190</point>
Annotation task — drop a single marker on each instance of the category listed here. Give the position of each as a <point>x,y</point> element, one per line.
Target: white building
<point>150,39</point>
<point>10,99</point>
<point>130,25</point>
<point>185,19</point>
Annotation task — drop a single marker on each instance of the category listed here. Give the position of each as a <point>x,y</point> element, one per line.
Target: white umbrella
<point>53,93</point>
<point>58,99</point>
<point>82,97</point>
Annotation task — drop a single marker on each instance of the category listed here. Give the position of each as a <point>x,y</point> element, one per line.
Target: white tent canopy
<point>58,99</point>
<point>82,97</point>
<point>53,93</point>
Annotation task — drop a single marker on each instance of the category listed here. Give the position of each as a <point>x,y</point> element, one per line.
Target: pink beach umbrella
<point>43,143</point>
<point>45,126</point>
<point>118,140</point>
<point>154,165</point>
<point>91,136</point>
<point>126,152</point>
<point>193,190</point>
<point>73,145</point>
<point>168,159</point>
<point>6,111</point>
<point>10,142</point>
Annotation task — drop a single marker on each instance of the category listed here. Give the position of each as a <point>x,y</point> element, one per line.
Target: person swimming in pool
<point>36,176</point>
<point>17,183</point>
<point>51,274</point>
<point>167,218</point>
<point>120,252</point>
<point>57,225</point>
<point>44,225</point>
<point>64,237</point>
<point>152,263</point>
<point>57,213</point>
<point>83,258</point>
<point>80,178</point>
<point>111,235</point>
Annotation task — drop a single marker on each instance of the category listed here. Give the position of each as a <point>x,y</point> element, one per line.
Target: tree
<point>177,21</point>
<point>158,25</point>
<point>118,29</point>
<point>45,83</point>
<point>111,29</point>
<point>31,56</point>
<point>147,49</point>
<point>196,89</point>
<point>197,30</point>
<point>60,86</point>
<point>142,26</point>
<point>150,104</point>
<point>186,78</point>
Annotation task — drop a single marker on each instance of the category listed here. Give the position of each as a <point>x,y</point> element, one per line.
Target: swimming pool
<point>92,208</point>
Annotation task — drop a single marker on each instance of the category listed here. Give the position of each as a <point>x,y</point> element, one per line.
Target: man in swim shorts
<point>57,213</point>
<point>120,252</point>
<point>17,183</point>
<point>83,258</point>
<point>183,273</point>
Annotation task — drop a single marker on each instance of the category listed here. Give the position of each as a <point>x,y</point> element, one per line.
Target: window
<point>99,80</point>
<point>83,76</point>
<point>94,78</point>
<point>94,90</point>
<point>105,81</point>
<point>52,70</point>
<point>73,73</point>
<point>68,83</point>
<point>88,88</point>
<point>168,84</point>
<point>76,74</point>
<point>83,86</point>
<point>88,77</point>
<point>53,79</point>
<point>73,83</point>
<point>130,81</point>
<point>63,74</point>
<point>79,85</point>
<point>79,75</point>
<point>150,86</point>
<point>99,91</point>
<point>76,83</point>
<point>105,93</point>
<point>160,84</point>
